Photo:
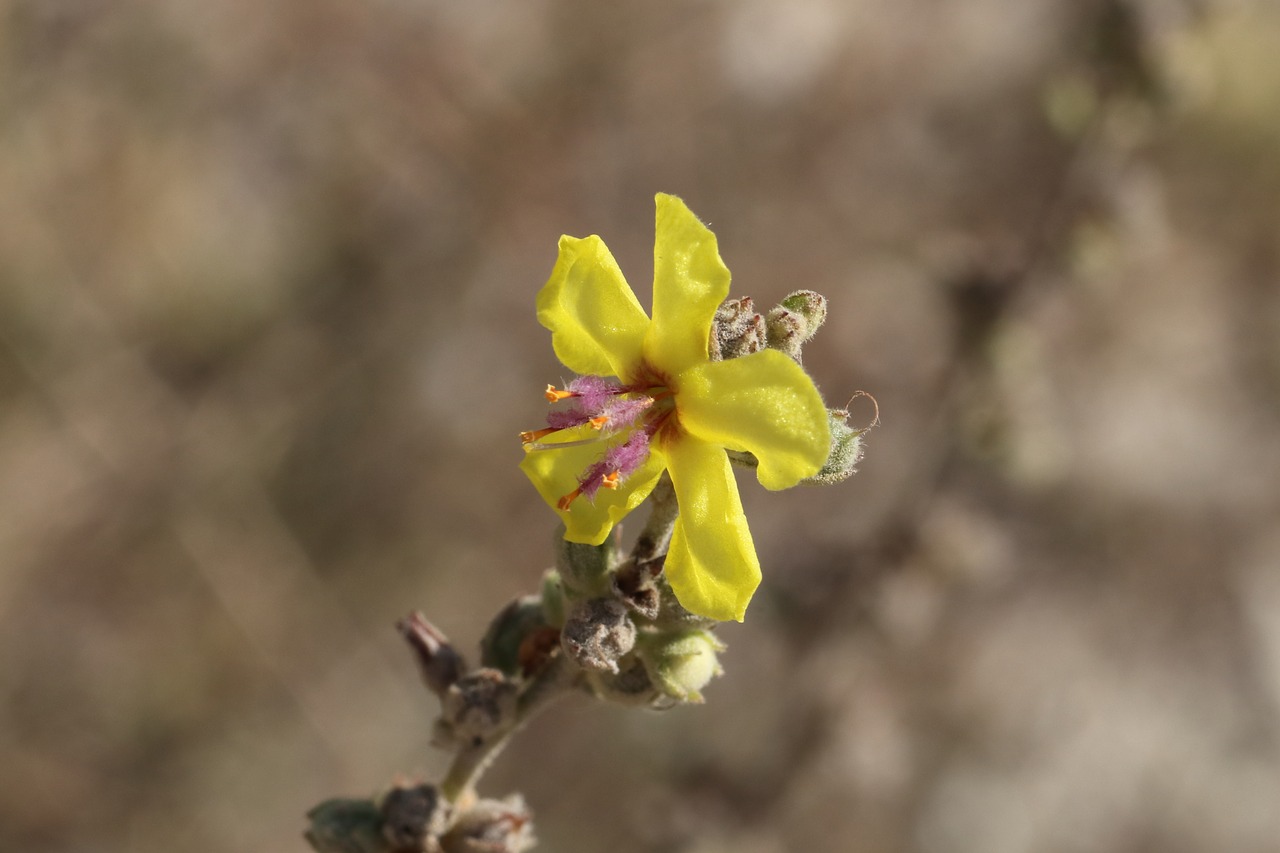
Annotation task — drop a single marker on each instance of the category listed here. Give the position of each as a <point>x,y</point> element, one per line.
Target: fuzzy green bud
<point>795,321</point>
<point>809,305</point>
<point>787,331</point>
<point>737,330</point>
<point>346,826</point>
<point>846,450</point>
<point>681,665</point>
<point>510,632</point>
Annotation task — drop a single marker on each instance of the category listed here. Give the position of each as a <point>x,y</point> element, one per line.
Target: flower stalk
<point>469,763</point>
<point>663,406</point>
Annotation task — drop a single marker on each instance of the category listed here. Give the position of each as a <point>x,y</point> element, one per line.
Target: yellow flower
<point>650,399</point>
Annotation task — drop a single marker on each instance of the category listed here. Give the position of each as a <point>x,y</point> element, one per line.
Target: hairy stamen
<point>640,411</point>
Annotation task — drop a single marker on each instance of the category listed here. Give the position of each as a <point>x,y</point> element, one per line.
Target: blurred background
<point>267,273</point>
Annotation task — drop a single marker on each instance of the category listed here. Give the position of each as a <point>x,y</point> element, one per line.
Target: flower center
<point>627,417</point>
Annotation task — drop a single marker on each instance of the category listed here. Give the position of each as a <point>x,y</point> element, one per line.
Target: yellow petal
<point>764,403</point>
<point>597,325</point>
<point>711,564</point>
<point>555,471</point>
<point>689,283</point>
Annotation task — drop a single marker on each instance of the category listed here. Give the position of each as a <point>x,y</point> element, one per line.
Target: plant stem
<point>470,762</point>
<point>656,535</point>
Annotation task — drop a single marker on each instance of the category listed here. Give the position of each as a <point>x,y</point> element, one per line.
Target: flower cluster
<point>661,409</point>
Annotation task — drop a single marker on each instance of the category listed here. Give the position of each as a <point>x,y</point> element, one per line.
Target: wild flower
<point>650,398</point>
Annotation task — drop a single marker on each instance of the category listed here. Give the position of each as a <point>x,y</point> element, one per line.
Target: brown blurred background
<point>266,338</point>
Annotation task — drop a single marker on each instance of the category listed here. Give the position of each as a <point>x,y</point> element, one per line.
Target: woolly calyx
<point>413,817</point>
<point>478,708</point>
<point>597,633</point>
<point>737,330</point>
<point>846,451</point>
<point>491,826</point>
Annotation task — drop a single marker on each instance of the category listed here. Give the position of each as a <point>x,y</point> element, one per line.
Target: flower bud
<point>680,665</point>
<point>732,318</point>
<point>787,330</point>
<point>438,663</point>
<point>346,826</point>
<point>795,321</point>
<point>413,817</point>
<point>480,706</point>
<point>736,330</point>
<point>508,633</point>
<point>597,633</point>
<point>809,305</point>
<point>491,826</point>
<point>846,450</point>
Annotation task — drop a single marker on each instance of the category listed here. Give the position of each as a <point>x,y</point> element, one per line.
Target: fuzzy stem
<point>656,535</point>
<point>633,581</point>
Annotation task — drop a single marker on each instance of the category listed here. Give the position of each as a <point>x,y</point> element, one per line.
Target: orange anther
<point>610,481</point>
<point>554,394</point>
<point>599,422</point>
<point>564,502</point>
<point>533,435</point>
